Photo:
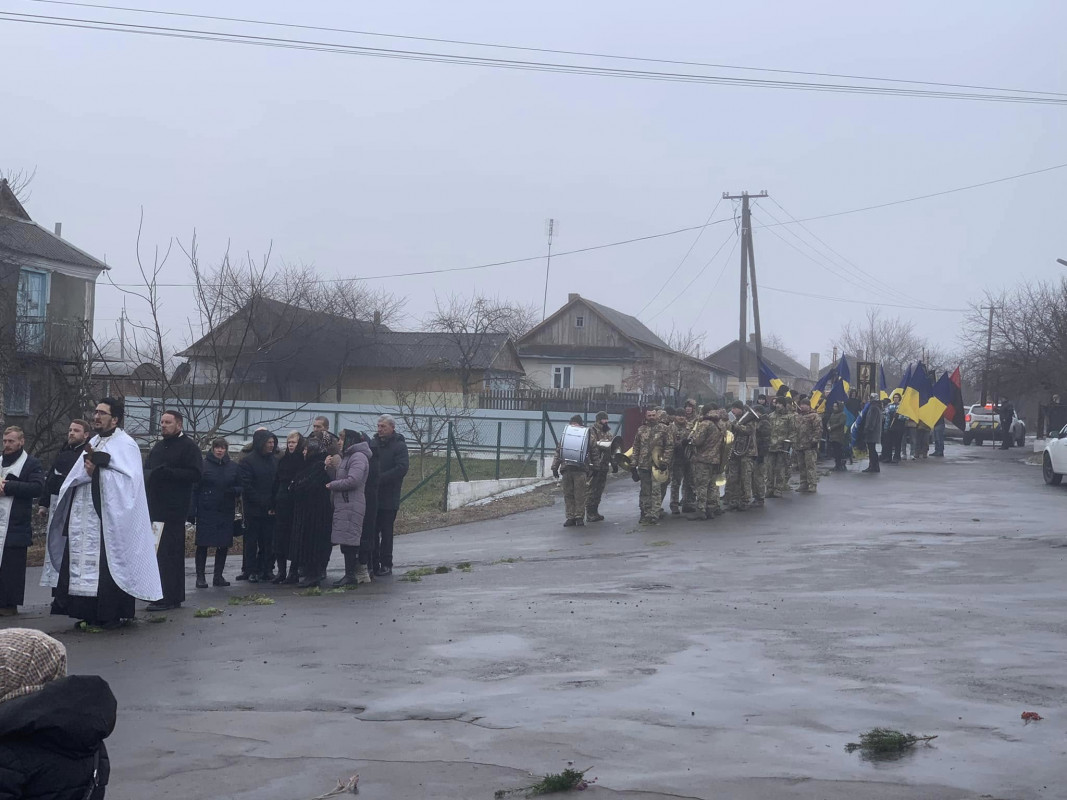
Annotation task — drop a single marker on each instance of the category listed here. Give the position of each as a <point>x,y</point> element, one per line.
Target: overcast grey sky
<point>366,166</point>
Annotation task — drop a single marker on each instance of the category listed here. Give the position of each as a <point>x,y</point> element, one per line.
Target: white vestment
<point>127,530</point>
<point>7,502</point>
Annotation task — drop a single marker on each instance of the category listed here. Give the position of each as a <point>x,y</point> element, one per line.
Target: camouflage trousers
<point>595,490</point>
<point>682,488</point>
<point>650,498</point>
<point>809,478</point>
<point>738,482</point>
<point>575,483</point>
<point>777,466</point>
<point>705,488</point>
<point>759,478</point>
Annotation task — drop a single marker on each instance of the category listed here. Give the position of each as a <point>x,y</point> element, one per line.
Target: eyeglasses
<point>99,413</point>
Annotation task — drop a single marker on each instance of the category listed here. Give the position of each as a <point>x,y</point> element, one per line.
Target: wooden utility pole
<point>748,269</point>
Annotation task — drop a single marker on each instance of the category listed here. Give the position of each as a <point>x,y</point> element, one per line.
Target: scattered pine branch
<point>210,611</point>
<point>351,786</point>
<point>884,741</point>
<point>552,783</point>
<point>254,599</point>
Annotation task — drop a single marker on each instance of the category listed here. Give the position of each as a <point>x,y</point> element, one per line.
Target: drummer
<point>573,453</point>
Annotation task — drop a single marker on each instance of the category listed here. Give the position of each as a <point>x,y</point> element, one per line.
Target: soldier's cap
<point>577,419</point>
<point>737,404</point>
<point>601,416</point>
<point>691,402</point>
<point>670,412</point>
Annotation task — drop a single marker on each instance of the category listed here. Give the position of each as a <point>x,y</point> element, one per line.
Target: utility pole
<point>551,226</point>
<point>748,268</point>
<point>988,354</point>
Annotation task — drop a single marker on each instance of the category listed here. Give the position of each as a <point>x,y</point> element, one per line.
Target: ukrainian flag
<point>940,399</point>
<point>915,394</point>
<point>839,393</point>
<point>882,393</point>
<point>768,378</point>
<point>839,373</point>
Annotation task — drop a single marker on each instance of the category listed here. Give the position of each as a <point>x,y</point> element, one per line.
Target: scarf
<point>28,660</point>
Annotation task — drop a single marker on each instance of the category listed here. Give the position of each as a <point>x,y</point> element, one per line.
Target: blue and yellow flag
<point>768,378</point>
<point>840,372</point>
<point>903,381</point>
<point>915,394</point>
<point>940,399</point>
<point>883,394</point>
<point>839,393</point>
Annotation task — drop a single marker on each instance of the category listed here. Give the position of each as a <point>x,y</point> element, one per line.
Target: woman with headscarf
<point>289,465</point>
<point>52,727</point>
<point>348,478</point>
<point>312,512</point>
<point>215,508</point>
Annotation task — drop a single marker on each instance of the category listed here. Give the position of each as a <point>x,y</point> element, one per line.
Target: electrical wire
<point>732,235</point>
<point>551,51</point>
<point>499,63</point>
<point>722,271</point>
<point>700,233</point>
<point>861,302</point>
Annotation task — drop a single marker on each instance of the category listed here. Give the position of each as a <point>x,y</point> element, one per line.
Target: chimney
<point>59,229</point>
<point>813,366</point>
<point>573,296</point>
<point>752,338</point>
<point>377,318</point>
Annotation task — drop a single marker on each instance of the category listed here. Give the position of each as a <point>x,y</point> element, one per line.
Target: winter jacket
<point>763,432</point>
<point>706,442</point>
<point>808,430</point>
<point>25,489</point>
<point>173,468</point>
<point>347,484</point>
<point>744,439</point>
<point>650,436</point>
<point>838,426</point>
<point>393,453</point>
<point>783,429</point>
<point>49,740</point>
<point>65,460</point>
<point>215,502</point>
<point>257,470</point>
<point>872,422</point>
<point>288,467</point>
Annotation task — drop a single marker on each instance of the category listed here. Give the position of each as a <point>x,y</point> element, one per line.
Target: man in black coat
<point>21,481</point>
<point>173,468</point>
<point>393,466</point>
<point>1007,417</point>
<point>257,469</point>
<point>77,436</point>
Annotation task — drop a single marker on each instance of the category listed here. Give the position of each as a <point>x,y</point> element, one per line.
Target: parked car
<point>983,422</point>
<point>1054,459</point>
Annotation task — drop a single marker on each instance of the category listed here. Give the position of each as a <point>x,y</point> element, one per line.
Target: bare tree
<point>427,410</point>
<point>19,180</point>
<point>674,372</point>
<point>776,342</point>
<point>889,341</point>
<point>468,323</point>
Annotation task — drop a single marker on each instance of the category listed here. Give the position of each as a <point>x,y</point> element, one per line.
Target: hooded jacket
<point>49,740</point>
<point>393,453</point>
<point>347,486</point>
<point>257,477</point>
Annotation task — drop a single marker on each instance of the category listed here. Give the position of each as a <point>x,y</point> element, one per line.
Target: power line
<point>722,271</point>
<point>500,63</point>
<point>700,233</point>
<point>732,235</point>
<point>586,54</point>
<point>862,302</point>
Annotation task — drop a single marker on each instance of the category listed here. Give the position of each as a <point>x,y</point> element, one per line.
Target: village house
<point>786,368</point>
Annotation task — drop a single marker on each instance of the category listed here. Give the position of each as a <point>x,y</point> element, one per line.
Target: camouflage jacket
<point>599,458</point>
<point>744,439</point>
<point>783,429</point>
<point>808,430</point>
<point>763,433</point>
<point>706,441</point>
<point>649,436</point>
<point>680,435</point>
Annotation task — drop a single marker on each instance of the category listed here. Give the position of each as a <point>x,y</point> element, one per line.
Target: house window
<point>579,321</point>
<point>30,311</point>
<point>561,377</point>
<point>17,395</point>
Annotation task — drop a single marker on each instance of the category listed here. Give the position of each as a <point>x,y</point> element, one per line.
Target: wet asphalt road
<point>731,659</point>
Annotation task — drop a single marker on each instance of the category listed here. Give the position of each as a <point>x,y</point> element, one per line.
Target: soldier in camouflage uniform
<point>705,443</point>
<point>742,454</point>
<point>783,426</point>
<point>650,436</point>
<point>808,434</point>
<point>680,429</point>
<point>693,415</point>
<point>665,417</point>
<point>600,462</point>
<point>575,478</point>
<point>763,446</point>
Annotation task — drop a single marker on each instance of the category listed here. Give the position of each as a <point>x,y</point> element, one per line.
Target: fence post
<point>544,433</point>
<point>448,466</point>
<point>499,435</point>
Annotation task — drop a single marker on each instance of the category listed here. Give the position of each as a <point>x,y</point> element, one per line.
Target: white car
<point>983,422</point>
<point>1054,460</point>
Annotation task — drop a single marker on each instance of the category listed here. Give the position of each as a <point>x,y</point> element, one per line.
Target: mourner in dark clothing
<point>21,482</point>
<point>257,469</point>
<point>52,726</point>
<point>1007,417</point>
<point>312,513</point>
<point>289,465</point>
<point>215,508</point>
<point>393,466</point>
<point>173,468</point>
<point>77,435</point>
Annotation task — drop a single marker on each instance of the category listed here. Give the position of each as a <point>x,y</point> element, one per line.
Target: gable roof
<point>20,234</point>
<point>630,327</point>
<point>416,349</point>
<point>782,365</point>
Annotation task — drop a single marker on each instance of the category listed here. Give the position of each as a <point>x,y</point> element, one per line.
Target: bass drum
<point>574,446</point>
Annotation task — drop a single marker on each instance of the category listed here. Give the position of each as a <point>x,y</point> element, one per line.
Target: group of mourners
<point>116,527</point>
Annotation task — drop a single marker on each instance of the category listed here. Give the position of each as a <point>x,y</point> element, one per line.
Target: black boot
<point>220,565</point>
<point>201,566</point>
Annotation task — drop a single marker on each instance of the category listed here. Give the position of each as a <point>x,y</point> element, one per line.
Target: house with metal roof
<point>587,345</point>
<point>794,374</point>
<point>47,299</point>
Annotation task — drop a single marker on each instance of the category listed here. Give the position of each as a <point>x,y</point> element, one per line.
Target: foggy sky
<point>367,166</point>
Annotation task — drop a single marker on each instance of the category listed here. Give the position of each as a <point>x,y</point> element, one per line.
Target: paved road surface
<point>725,660</point>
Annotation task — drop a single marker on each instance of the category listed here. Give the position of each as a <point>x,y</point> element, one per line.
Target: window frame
<point>565,375</point>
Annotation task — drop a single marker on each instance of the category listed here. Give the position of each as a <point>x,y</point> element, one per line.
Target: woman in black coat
<point>52,727</point>
<point>290,464</point>
<point>215,508</point>
<point>312,513</point>
<point>19,492</point>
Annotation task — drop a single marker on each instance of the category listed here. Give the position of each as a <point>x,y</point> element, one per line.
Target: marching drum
<point>574,446</point>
